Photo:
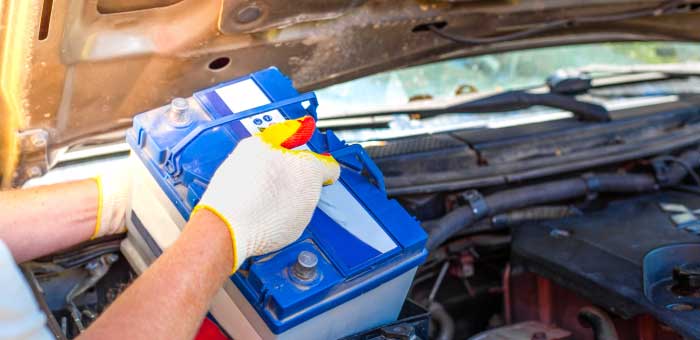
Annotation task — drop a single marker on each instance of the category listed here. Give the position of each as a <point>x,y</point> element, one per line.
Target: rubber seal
<point>592,183</point>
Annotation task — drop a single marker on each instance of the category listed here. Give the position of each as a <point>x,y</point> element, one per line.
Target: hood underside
<point>75,70</point>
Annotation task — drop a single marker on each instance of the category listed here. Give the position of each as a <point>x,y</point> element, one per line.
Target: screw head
<point>403,331</point>
<point>92,265</point>
<point>111,258</point>
<point>33,171</point>
<point>559,233</point>
<point>38,141</point>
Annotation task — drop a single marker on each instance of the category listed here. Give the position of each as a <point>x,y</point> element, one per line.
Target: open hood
<point>73,71</point>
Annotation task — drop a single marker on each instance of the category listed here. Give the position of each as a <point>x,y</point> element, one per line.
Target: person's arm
<point>39,221</point>
<point>259,200</point>
<point>42,220</point>
<point>169,300</point>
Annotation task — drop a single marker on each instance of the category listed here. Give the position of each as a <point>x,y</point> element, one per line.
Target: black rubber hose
<point>598,320</point>
<point>448,225</point>
<point>536,213</point>
<point>562,190</point>
<point>444,321</point>
<point>535,195</point>
<point>630,183</point>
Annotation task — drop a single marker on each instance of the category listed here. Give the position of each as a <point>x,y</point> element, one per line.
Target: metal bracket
<point>476,201</point>
<point>34,157</point>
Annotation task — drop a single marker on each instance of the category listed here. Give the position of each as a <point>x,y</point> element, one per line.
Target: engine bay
<point>563,229</point>
<point>510,169</point>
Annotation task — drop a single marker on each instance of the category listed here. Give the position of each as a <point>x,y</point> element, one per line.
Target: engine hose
<point>536,213</point>
<point>556,191</point>
<point>677,171</point>
<point>444,321</point>
<point>599,321</point>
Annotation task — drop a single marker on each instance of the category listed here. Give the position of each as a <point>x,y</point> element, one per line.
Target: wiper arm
<point>500,102</point>
<point>518,100</point>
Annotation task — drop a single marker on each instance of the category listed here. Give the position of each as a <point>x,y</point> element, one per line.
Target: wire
<point>665,8</point>
<point>438,282</point>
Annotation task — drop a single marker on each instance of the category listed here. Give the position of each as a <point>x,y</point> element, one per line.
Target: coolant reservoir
<point>352,267</point>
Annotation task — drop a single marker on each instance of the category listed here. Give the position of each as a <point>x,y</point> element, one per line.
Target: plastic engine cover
<point>360,239</point>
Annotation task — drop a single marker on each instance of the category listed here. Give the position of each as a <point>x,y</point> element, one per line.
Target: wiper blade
<point>500,102</point>
<point>680,69</point>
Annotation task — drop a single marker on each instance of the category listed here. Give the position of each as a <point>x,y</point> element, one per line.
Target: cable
<point>438,282</point>
<point>562,190</point>
<point>666,8</point>
<point>501,38</point>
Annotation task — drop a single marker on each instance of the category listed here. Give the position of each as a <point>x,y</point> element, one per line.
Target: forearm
<point>169,300</point>
<point>39,221</point>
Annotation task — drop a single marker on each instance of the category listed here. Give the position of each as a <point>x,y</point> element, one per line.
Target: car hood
<point>74,72</point>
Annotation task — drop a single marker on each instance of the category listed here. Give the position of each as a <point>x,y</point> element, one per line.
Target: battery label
<point>245,95</point>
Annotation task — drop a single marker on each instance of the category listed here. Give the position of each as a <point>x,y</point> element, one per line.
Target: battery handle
<point>172,154</point>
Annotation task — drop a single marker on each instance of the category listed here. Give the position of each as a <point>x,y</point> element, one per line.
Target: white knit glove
<point>265,192</point>
<point>113,187</point>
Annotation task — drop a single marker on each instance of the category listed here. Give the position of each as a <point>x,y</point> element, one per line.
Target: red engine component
<point>531,297</point>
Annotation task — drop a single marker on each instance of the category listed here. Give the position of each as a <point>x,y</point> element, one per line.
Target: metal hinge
<point>34,158</point>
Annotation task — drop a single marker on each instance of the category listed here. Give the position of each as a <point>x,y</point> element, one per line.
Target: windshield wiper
<point>558,92</point>
<point>561,88</point>
<point>500,102</point>
<point>518,100</point>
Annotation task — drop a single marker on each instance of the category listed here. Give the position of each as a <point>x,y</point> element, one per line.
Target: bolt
<point>179,112</point>
<point>111,258</point>
<point>93,265</point>
<point>248,14</point>
<point>38,141</point>
<point>559,233</point>
<point>305,267</point>
<point>33,171</point>
<point>402,331</point>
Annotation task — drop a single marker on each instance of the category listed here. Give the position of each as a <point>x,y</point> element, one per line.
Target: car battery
<point>353,265</point>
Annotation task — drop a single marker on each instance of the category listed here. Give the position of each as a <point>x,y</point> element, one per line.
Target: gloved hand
<point>266,193</point>
<point>113,192</point>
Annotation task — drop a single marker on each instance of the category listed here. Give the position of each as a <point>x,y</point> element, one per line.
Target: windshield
<point>501,71</point>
